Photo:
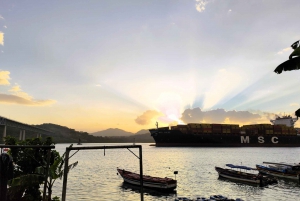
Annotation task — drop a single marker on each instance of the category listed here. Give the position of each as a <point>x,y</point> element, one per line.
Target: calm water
<point>95,176</point>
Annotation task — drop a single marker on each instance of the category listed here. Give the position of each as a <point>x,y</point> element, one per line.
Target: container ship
<point>281,133</point>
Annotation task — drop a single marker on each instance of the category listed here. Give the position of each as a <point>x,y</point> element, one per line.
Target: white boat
<point>148,181</point>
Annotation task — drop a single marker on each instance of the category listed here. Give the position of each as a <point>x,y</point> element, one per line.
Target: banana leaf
<point>289,65</point>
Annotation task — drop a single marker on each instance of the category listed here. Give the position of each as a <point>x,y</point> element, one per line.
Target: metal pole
<point>46,174</point>
<point>21,133</point>
<point>4,132</point>
<point>141,173</point>
<point>64,190</point>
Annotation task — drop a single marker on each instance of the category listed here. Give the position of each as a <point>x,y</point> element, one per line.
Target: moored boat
<point>148,181</point>
<point>281,170</point>
<point>245,177</point>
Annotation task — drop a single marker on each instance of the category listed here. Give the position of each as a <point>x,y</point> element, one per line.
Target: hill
<point>69,135</point>
<point>143,132</point>
<point>112,132</point>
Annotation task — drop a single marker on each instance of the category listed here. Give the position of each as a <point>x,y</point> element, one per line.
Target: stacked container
<point>183,128</point>
<point>195,128</point>
<point>277,129</point>
<point>235,129</point>
<point>216,128</point>
<point>206,128</point>
<point>226,128</point>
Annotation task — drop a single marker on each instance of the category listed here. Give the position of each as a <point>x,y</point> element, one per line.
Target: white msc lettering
<point>261,139</point>
<point>245,139</point>
<point>273,140</point>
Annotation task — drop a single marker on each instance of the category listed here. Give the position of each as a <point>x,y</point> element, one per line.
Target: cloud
<point>4,77</point>
<point>1,38</point>
<point>294,104</point>
<point>98,85</point>
<point>147,116</point>
<point>18,96</point>
<point>1,18</point>
<point>284,50</point>
<point>14,99</point>
<point>5,26</point>
<point>200,5</point>
<point>196,115</point>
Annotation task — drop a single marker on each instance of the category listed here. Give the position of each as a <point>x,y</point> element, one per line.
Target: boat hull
<point>148,182</point>
<point>254,179</point>
<point>269,171</point>
<point>175,138</point>
<point>237,176</point>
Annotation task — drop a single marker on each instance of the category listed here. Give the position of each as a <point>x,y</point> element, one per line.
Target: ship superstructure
<point>284,120</point>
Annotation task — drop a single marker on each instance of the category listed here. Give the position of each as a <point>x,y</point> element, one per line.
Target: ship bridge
<point>5,122</point>
<point>285,120</point>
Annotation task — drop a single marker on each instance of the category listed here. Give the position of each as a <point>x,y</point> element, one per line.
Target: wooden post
<point>46,174</point>
<point>64,189</point>
<point>141,173</point>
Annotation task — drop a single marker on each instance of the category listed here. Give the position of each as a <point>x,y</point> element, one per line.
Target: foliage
<point>56,170</point>
<point>27,181</point>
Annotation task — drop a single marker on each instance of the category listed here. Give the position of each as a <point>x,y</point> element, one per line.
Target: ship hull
<point>175,138</point>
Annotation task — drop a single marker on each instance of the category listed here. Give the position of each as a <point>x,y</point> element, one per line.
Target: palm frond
<point>291,64</point>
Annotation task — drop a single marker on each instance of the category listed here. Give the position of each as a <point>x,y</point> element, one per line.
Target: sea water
<point>95,177</point>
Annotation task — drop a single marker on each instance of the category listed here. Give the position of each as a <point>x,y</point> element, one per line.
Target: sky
<point>94,64</point>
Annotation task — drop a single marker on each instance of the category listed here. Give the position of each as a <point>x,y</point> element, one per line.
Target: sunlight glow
<point>223,84</point>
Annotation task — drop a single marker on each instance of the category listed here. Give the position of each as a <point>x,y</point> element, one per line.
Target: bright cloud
<point>18,96</point>
<point>5,26</point>
<point>1,18</point>
<point>200,5</point>
<point>284,50</point>
<point>4,78</point>
<point>16,90</point>
<point>196,115</point>
<point>147,117</point>
<point>220,87</point>
<point>294,104</point>
<point>1,38</point>
<point>14,99</point>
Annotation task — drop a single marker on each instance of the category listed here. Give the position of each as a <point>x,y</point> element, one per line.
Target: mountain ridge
<point>114,132</point>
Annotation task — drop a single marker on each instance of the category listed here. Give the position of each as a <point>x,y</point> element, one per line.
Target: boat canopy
<point>240,167</point>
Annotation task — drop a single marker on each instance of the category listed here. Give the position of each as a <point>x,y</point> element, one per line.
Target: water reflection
<point>237,182</point>
<point>147,191</point>
<point>95,176</point>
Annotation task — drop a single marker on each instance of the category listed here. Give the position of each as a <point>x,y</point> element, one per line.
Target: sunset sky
<point>93,65</point>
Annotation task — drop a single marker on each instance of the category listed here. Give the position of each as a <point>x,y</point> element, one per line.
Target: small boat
<point>282,170</point>
<point>251,178</point>
<point>148,181</point>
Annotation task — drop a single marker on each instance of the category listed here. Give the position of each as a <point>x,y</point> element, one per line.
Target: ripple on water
<point>95,176</point>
